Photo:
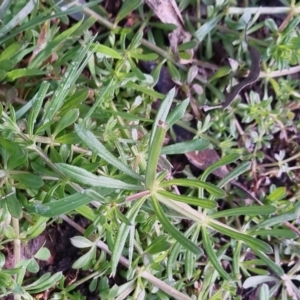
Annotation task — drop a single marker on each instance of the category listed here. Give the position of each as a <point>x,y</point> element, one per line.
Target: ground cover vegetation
<point>123,176</point>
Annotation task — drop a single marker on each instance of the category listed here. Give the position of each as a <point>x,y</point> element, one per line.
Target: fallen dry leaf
<point>167,11</point>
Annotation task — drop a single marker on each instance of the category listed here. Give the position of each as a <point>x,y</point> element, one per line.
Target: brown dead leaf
<point>167,11</point>
<point>203,159</point>
<point>42,41</point>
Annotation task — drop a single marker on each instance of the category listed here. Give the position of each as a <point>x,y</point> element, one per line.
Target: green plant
<point>93,146</point>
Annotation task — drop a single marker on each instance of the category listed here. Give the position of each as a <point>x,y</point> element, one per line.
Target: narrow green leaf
<point>39,19</point>
<point>18,18</point>
<point>14,206</point>
<point>145,90</point>
<point>107,51</point>
<point>127,7</point>
<point>271,264</point>
<point>228,159</point>
<point>177,113</point>
<point>154,152</point>
<point>105,92</point>
<point>188,146</point>
<point>136,40</point>
<point>236,172</point>
<point>15,153</point>
<point>207,27</point>
<point>85,259</point>
<point>71,75</point>
<point>9,51</point>
<point>28,180</point>
<point>289,216</point>
<point>282,233</point>
<point>44,284</point>
<point>162,112</point>
<point>36,104</point>
<point>62,206</point>
<point>69,118</point>
<point>94,145</point>
<point>51,46</point>
<point>122,217</point>
<point>212,255</point>
<point>159,244</point>
<point>146,57</point>
<point>177,235</point>
<point>221,72</point>
<point>240,211</point>
<point>122,235</point>
<point>205,203</point>
<point>69,138</point>
<point>18,73</point>
<point>210,188</point>
<point>277,194</point>
<point>253,243</point>
<point>5,4</point>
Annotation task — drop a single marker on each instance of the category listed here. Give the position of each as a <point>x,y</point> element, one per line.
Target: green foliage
<point>82,135</point>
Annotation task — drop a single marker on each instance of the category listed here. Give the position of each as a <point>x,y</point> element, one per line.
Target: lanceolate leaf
<point>249,240</point>
<point>205,203</point>
<point>177,113</point>
<point>85,177</point>
<point>220,163</point>
<point>154,152</point>
<point>242,168</point>
<point>62,206</point>
<point>162,112</point>
<point>122,235</point>
<point>211,254</point>
<point>210,188</point>
<point>248,210</point>
<point>179,148</point>
<point>90,140</point>
<point>177,235</point>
